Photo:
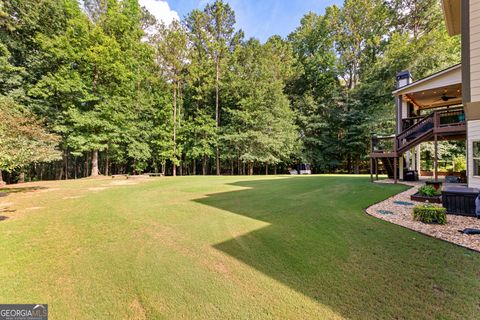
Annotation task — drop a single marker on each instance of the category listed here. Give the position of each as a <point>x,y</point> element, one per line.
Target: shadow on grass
<point>321,244</point>
<point>2,218</point>
<point>6,191</point>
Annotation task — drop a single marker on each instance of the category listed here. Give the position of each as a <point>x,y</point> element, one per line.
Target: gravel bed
<point>392,211</point>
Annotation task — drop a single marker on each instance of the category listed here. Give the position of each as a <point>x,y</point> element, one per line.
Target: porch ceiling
<point>439,97</point>
<point>443,88</point>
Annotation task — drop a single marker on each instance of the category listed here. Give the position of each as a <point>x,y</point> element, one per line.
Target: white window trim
<point>474,158</point>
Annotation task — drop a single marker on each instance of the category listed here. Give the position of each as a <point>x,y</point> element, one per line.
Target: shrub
<point>428,191</point>
<point>429,213</point>
<point>459,163</point>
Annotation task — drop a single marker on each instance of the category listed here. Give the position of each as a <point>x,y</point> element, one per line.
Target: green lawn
<point>226,247</point>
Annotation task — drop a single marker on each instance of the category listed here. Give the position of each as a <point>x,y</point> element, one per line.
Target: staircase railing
<point>426,125</point>
<point>420,129</point>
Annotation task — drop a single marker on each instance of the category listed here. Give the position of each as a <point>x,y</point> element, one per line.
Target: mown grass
<point>226,247</point>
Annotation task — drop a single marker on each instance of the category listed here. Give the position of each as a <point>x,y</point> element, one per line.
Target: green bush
<point>428,191</point>
<point>429,213</point>
<point>459,163</point>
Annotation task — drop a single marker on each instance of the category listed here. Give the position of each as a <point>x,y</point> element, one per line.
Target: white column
<point>400,167</point>
<point>408,162</point>
<point>417,162</point>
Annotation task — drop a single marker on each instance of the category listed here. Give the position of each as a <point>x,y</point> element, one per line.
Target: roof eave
<point>452,13</point>
<point>404,89</point>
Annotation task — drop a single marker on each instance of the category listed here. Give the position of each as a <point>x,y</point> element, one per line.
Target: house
<point>442,106</point>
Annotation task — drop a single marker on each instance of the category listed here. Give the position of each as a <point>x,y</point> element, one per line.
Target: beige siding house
<point>443,106</point>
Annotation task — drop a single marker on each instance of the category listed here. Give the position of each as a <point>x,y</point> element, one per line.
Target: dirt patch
<point>34,208</point>
<point>207,258</point>
<point>137,309</point>
<point>122,183</point>
<point>6,204</point>
<point>97,188</point>
<point>49,190</point>
<point>220,267</point>
<point>8,190</point>
<point>2,218</point>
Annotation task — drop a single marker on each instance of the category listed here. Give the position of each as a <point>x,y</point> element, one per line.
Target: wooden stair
<point>441,123</point>
<point>421,131</point>
<point>388,165</point>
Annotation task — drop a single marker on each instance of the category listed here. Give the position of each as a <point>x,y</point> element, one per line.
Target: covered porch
<point>427,110</point>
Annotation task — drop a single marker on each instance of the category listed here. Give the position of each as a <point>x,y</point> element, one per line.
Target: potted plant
<point>436,184</point>
<point>427,193</point>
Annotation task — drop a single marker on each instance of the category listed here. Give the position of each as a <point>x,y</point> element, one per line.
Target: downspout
<point>466,91</point>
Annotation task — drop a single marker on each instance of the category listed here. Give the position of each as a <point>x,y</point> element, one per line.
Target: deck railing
<point>417,129</point>
<point>426,125</point>
<point>382,144</point>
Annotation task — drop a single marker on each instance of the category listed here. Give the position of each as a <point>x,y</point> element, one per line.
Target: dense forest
<point>100,87</point>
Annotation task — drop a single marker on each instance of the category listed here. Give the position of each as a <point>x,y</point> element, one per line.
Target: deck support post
<point>395,169</point>
<point>376,168</point>
<point>371,169</point>
<point>417,160</point>
<point>435,158</point>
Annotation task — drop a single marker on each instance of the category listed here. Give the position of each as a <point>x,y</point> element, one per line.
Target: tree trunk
<point>21,176</point>
<point>275,170</point>
<point>174,167</point>
<point>194,167</point>
<point>218,162</point>
<point>87,168</point>
<point>106,164</point>
<point>204,166</point>
<point>266,169</point>
<point>349,164</point>
<point>60,173</point>
<point>75,168</point>
<point>217,110</point>
<point>2,183</point>
<point>66,164</point>
<point>250,169</point>
<point>95,171</point>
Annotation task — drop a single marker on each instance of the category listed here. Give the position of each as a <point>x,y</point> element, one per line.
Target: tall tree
<point>23,138</point>
<point>261,125</point>
<point>213,33</point>
<point>171,43</point>
<point>314,90</point>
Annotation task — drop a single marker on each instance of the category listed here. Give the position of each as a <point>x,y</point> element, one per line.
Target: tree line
<point>101,87</point>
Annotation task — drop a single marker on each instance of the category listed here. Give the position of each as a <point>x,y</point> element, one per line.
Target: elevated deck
<point>444,124</point>
<point>448,124</point>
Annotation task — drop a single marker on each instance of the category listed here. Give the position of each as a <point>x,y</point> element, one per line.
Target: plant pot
<point>420,198</point>
<point>436,184</point>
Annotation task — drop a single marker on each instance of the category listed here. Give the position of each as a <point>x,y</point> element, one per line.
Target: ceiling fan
<point>445,98</point>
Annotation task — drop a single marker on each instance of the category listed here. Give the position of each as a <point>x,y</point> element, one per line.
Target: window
<point>476,157</point>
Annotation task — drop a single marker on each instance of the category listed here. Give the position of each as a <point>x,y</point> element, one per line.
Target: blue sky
<point>257,18</point>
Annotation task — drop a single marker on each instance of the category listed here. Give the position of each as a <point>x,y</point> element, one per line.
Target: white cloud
<point>161,10</point>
